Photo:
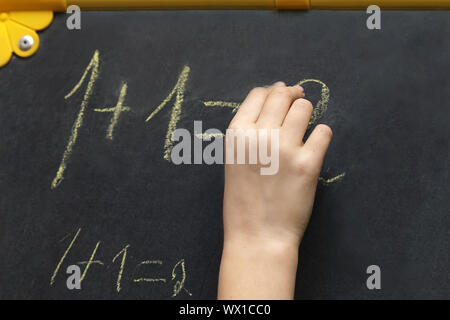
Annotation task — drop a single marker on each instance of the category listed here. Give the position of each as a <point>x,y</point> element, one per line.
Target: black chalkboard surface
<point>79,184</point>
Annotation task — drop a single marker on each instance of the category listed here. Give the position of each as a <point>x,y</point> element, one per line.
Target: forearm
<point>265,216</point>
<point>257,270</point>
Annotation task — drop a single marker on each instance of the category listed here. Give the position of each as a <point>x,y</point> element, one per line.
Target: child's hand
<point>265,216</point>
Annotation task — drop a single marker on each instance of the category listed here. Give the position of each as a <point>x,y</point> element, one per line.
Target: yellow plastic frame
<point>17,24</point>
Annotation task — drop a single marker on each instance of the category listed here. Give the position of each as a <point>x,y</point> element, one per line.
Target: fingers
<point>318,142</point>
<point>251,107</point>
<point>297,120</point>
<point>277,105</point>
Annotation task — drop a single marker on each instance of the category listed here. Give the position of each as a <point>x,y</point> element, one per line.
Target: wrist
<point>257,269</point>
<point>279,240</point>
<point>287,248</point>
<point>278,257</point>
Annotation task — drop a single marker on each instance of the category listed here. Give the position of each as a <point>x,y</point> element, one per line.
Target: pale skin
<point>265,216</point>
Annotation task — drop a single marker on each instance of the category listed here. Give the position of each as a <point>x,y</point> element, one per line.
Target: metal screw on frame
<point>26,43</point>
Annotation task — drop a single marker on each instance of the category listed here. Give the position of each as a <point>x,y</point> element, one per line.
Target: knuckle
<point>302,167</point>
<point>325,130</point>
<point>305,165</point>
<point>258,91</point>
<point>306,104</point>
<point>281,92</point>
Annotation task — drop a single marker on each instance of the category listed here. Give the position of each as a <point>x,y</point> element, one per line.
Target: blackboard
<point>153,230</point>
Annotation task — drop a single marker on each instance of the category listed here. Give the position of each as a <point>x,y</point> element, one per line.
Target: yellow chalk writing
<point>332,180</point>
<point>52,279</point>
<point>147,262</point>
<point>88,265</point>
<point>151,262</point>
<point>149,280</point>
<point>116,111</point>
<point>123,252</point>
<point>179,91</point>
<point>179,284</point>
<point>93,68</point>
<point>233,105</point>
<point>209,136</point>
<point>322,105</point>
<point>91,262</point>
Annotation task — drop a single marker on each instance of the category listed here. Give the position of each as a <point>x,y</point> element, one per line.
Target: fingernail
<point>279,84</point>
<point>300,88</point>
